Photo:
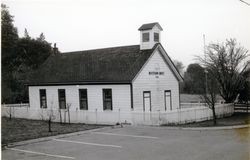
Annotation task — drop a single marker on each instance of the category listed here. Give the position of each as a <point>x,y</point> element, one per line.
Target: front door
<point>147,101</point>
<point>168,102</point>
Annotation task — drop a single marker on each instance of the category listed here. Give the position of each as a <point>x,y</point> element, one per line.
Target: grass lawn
<point>18,129</point>
<point>235,119</point>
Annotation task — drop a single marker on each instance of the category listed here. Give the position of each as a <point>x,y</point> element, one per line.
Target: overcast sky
<point>90,24</point>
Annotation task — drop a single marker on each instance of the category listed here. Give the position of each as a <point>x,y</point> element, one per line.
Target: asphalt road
<point>140,143</point>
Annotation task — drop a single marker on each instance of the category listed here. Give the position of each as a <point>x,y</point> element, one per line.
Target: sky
<point>91,24</point>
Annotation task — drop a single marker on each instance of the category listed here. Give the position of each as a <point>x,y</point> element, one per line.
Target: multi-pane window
<point>83,97</point>
<point>62,98</point>
<point>156,37</point>
<point>107,99</point>
<point>43,101</point>
<point>145,37</point>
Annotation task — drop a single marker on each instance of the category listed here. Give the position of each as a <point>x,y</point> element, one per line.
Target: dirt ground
<point>17,129</point>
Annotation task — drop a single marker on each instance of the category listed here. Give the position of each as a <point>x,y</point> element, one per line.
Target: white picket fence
<point>180,116</point>
<point>192,105</point>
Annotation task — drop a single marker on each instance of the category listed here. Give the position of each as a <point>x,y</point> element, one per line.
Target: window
<point>156,37</point>
<point>145,37</point>
<point>62,98</point>
<point>83,99</point>
<point>147,101</point>
<point>168,100</point>
<point>43,101</point>
<point>107,99</point>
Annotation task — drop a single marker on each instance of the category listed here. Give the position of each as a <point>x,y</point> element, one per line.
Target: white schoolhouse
<point>110,85</point>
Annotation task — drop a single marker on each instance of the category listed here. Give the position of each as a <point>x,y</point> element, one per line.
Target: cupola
<point>150,34</point>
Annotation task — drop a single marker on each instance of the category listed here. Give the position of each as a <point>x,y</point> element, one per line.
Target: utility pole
<point>204,43</point>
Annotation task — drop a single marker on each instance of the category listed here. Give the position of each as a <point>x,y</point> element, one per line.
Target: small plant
<point>68,109</point>
<point>50,116</point>
<point>9,112</point>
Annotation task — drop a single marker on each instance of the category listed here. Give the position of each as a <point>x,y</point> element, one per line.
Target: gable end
<point>166,59</point>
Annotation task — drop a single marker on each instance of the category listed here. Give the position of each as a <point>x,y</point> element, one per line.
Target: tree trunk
<point>10,113</point>
<point>60,116</point>
<point>69,116</point>
<point>64,121</point>
<point>49,124</point>
<point>214,115</point>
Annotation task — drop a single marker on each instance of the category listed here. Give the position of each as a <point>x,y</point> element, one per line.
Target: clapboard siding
<point>157,86</point>
<point>120,96</point>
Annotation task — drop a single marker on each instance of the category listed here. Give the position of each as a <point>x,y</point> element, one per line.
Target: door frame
<point>166,101</point>
<point>150,107</point>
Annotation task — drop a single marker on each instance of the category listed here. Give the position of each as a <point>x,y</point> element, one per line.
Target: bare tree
<point>41,114</point>
<point>210,94</point>
<point>51,116</point>
<point>60,115</point>
<point>9,111</point>
<point>68,110</point>
<point>227,63</point>
<point>48,115</point>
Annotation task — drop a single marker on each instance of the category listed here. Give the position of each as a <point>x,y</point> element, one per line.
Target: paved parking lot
<point>140,143</point>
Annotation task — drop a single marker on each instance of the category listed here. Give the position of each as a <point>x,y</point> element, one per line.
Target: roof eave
<point>149,28</point>
<point>173,67</point>
<point>79,83</point>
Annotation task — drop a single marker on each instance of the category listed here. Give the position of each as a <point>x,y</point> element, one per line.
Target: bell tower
<point>150,34</point>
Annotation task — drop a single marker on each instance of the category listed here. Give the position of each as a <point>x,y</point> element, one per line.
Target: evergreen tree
<point>41,38</point>
<point>20,56</point>
<point>194,79</point>
<point>9,43</point>
<point>26,34</point>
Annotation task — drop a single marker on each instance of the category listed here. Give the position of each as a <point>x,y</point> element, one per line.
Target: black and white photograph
<point>125,80</point>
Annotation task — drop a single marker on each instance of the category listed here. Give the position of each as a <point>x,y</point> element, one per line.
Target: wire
<point>245,2</point>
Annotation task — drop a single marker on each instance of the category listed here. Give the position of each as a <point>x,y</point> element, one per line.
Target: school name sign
<point>156,74</point>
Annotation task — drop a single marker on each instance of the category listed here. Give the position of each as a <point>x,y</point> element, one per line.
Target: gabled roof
<point>149,26</point>
<point>117,65</point>
<point>108,65</point>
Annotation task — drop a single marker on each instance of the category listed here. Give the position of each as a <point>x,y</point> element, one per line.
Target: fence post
<point>60,116</point>
<point>96,116</point>
<point>27,107</point>
<point>119,116</point>
<point>159,116</point>
<point>179,115</point>
<point>77,116</point>
<point>13,111</point>
<point>143,116</point>
<point>195,114</point>
<point>10,112</point>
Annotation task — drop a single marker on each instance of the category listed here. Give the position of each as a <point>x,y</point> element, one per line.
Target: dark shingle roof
<point>114,65</point>
<point>149,26</point>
